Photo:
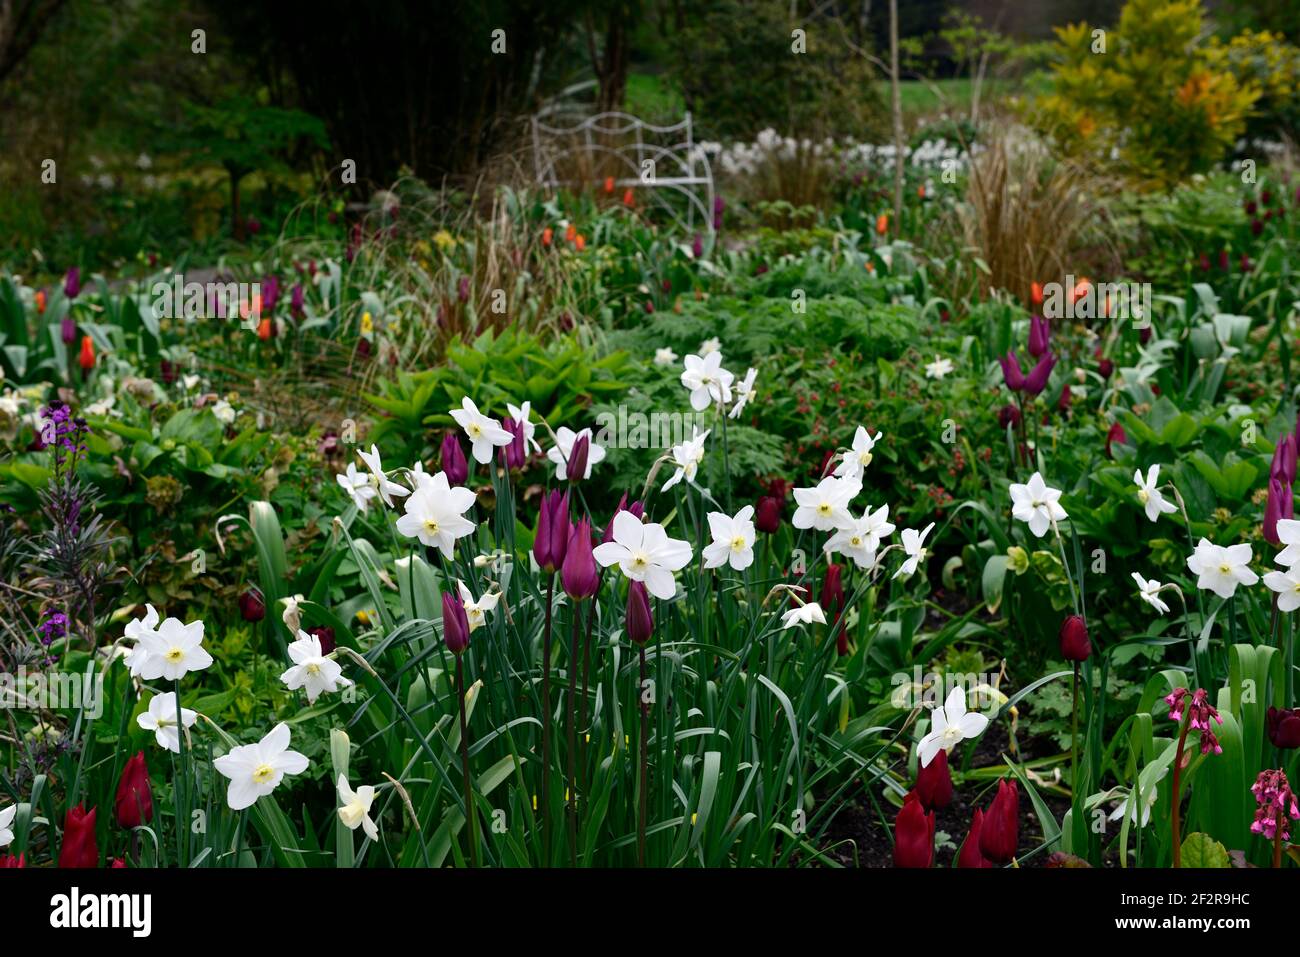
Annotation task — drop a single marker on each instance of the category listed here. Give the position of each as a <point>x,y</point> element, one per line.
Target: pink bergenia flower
<point>1277,802</point>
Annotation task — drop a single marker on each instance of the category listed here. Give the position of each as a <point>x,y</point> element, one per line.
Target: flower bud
<point>640,619</point>
<point>913,835</point>
<point>580,575</point>
<point>452,460</point>
<point>251,606</point>
<point>134,804</point>
<point>1075,645</point>
<point>934,783</point>
<point>576,467</point>
<point>1000,829</point>
<point>455,624</point>
<point>767,515</point>
<point>79,848</point>
<point>1039,334</point>
<point>969,855</point>
<point>1283,727</point>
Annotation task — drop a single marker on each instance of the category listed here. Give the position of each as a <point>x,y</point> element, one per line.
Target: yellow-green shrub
<point>1147,96</point>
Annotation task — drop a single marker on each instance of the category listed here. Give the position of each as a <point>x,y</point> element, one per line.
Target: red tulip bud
<point>79,848</point>
<point>1000,829</point>
<point>1075,645</point>
<point>134,805</point>
<point>934,783</point>
<point>251,606</point>
<point>969,855</point>
<point>767,514</point>
<point>913,835</point>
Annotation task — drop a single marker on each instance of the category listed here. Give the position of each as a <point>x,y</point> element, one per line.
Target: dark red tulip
<point>1105,368</point>
<point>1039,335</point>
<point>251,606</point>
<point>832,602</point>
<point>79,848</point>
<point>452,460</point>
<point>1144,334</point>
<point>640,619</point>
<point>914,835</point>
<point>580,575</point>
<point>118,864</point>
<point>552,537</point>
<point>1063,403</point>
<point>1280,505</point>
<point>455,624</point>
<point>1009,415</point>
<point>325,635</point>
<point>134,804</point>
<point>1000,829</point>
<point>1075,645</point>
<point>8,861</point>
<point>969,855</point>
<point>1225,262</point>
<point>934,783</point>
<point>576,467</point>
<point>1036,381</point>
<point>1116,434</point>
<point>1011,373</point>
<point>1283,727</point>
<point>767,514</point>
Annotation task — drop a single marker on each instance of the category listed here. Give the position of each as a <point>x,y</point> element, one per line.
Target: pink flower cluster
<point>1201,713</point>
<point>1276,803</point>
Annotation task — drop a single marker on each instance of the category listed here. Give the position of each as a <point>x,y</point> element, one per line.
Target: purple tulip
<point>580,575</point>
<point>453,460</point>
<point>697,247</point>
<point>68,329</point>
<point>296,296</point>
<point>1011,374</point>
<point>1039,334</point>
<point>552,538</point>
<point>1280,505</point>
<point>513,455</point>
<point>72,283</point>
<point>1036,381</point>
<point>640,619</point>
<point>576,468</point>
<point>462,289</point>
<point>455,624</point>
<point>1284,460</point>
<point>270,294</point>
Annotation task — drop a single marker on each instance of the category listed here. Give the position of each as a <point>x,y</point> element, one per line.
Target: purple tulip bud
<point>580,575</point>
<point>325,635</point>
<point>1280,505</point>
<point>513,455</point>
<point>453,460</point>
<point>697,247</point>
<point>455,624</point>
<point>72,283</point>
<point>68,329</point>
<point>552,538</point>
<point>1284,460</point>
<point>296,297</point>
<point>640,619</point>
<point>1036,381</point>
<point>1039,333</point>
<point>576,468</point>
<point>270,287</point>
<point>1011,374</point>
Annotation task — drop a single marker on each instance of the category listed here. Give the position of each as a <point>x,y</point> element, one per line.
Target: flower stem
<point>544,797</point>
<point>645,719</point>
<point>571,708</point>
<point>470,814</point>
<point>1175,823</point>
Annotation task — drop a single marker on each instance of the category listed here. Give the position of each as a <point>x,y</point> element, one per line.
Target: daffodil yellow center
<point>263,773</point>
<point>824,508</point>
<point>431,526</point>
<point>474,430</point>
<point>313,668</point>
<point>855,541</point>
<point>1143,495</point>
<point>864,458</point>
<point>639,561</point>
<point>1225,569</point>
<point>738,543</point>
<point>174,654</point>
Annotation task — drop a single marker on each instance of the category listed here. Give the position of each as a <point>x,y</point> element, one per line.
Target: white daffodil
<point>733,540</point>
<point>804,614</point>
<point>224,411</point>
<point>476,611</point>
<point>484,433</point>
<point>1221,569</point>
<point>644,553</point>
<point>136,628</point>
<point>1149,592</point>
<point>435,514</point>
<point>564,439</point>
<point>1150,794</point>
<point>1287,586</point>
<point>859,538</point>
<point>359,486</point>
<point>710,346</point>
<point>665,357</point>
<point>354,808</point>
<point>1150,497</point>
<point>384,488</point>
<point>914,547</point>
<point>855,461</point>
<point>292,614</point>
<point>255,770</point>
<point>311,670</point>
<point>950,724</point>
<point>160,718</point>
<point>1037,504</point>
<point>6,825</point>
<point>687,457</point>
<point>938,368</point>
<point>1288,533</point>
<point>171,652</point>
<point>707,381</point>
<point>744,394</point>
<point>523,415</point>
<point>825,506</point>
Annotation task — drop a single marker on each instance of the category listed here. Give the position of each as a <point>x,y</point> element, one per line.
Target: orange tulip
<point>547,233</point>
<point>920,191</point>
<point>571,232</point>
<point>87,357</point>
<point>264,329</point>
<point>609,184</point>
<point>1081,288</point>
<point>882,223</point>
<point>627,197</point>
<point>1036,293</point>
<point>580,242</point>
<point>40,302</point>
